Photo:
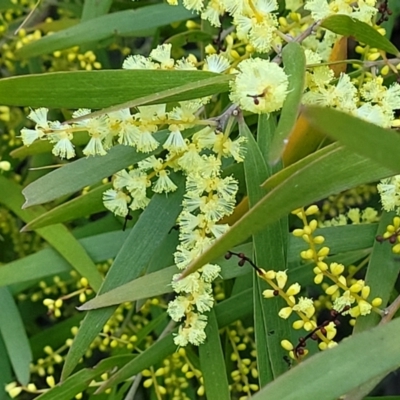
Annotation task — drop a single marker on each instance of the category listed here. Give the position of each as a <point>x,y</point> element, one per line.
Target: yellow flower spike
<point>312,210</point>
<point>281,279</point>
<point>376,302</point>
<point>269,293</point>
<point>331,290</point>
<point>336,269</point>
<point>322,266</point>
<point>285,312</point>
<point>319,239</point>
<point>366,290</point>
<point>318,279</point>
<point>293,289</point>
<point>287,345</point>
<point>323,252</point>
<point>298,324</point>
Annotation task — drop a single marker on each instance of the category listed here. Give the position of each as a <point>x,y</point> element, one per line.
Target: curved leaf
<point>347,26</point>
<point>58,236</point>
<point>105,88</point>
<point>122,23</point>
<point>14,336</point>
<point>81,206</point>
<point>370,140</point>
<point>212,362</point>
<point>323,372</point>
<point>294,62</point>
<point>134,256</point>
<point>325,172</point>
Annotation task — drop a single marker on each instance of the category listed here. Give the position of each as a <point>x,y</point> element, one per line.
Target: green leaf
<point>14,336</point>
<point>294,62</point>
<point>381,276</point>
<point>241,304</point>
<point>105,88</point>
<point>324,172</point>
<point>70,179</point>
<point>212,362</point>
<point>6,375</point>
<point>80,381</point>
<point>370,140</point>
<point>270,253</point>
<point>123,23</point>
<point>362,32</point>
<point>94,8</point>
<point>58,236</point>
<point>49,262</point>
<point>138,249</point>
<point>370,353</point>
<point>81,206</point>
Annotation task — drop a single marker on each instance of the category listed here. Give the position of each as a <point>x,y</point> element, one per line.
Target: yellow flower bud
<point>322,266</point>
<point>268,293</point>
<point>293,289</point>
<point>318,279</point>
<point>319,239</point>
<point>331,289</point>
<point>50,381</point>
<point>285,312</point>
<point>287,345</point>
<point>313,224</point>
<point>336,268</point>
<point>376,302</point>
<point>323,252</point>
<point>366,290</point>
<point>281,279</point>
<point>298,324</point>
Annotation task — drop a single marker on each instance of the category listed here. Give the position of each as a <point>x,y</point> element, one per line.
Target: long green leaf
<point>48,262</point>
<point>213,363</point>
<point>58,236</point>
<point>362,32</point>
<point>332,172</point>
<point>94,8</point>
<point>6,375</point>
<point>230,310</point>
<point>81,206</point>
<point>70,179</point>
<point>80,381</point>
<point>369,140</point>
<point>270,253</point>
<point>332,373</point>
<point>14,336</point>
<point>122,23</point>
<point>106,88</point>
<point>294,62</point>
<point>138,249</point>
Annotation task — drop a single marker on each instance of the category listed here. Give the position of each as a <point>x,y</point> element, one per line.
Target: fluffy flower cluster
<point>254,20</point>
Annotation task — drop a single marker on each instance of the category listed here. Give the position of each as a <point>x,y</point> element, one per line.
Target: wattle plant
<point>214,193</point>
